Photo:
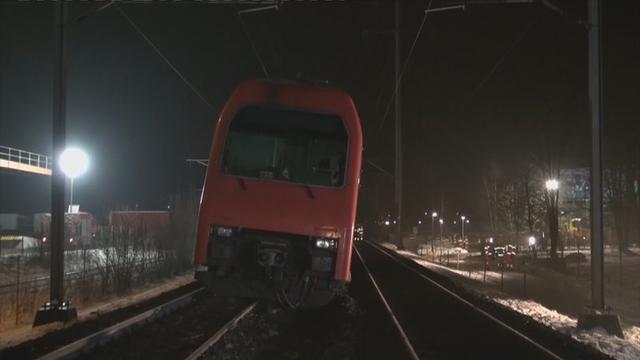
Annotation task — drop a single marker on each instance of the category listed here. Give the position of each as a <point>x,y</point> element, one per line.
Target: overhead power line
<point>166,60</point>
<point>404,66</point>
<point>248,34</point>
<point>495,67</point>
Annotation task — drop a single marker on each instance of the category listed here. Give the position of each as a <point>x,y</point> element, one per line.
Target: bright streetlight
<point>434,215</point>
<point>464,220</point>
<point>532,241</point>
<point>73,162</point>
<point>552,184</point>
<point>441,221</point>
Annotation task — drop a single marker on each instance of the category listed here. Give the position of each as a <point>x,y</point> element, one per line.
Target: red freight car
<point>279,201</point>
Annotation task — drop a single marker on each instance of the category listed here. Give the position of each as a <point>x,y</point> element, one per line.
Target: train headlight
<point>224,231</point>
<point>328,244</point>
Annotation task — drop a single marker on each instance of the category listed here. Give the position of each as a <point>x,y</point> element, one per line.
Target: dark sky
<point>139,121</point>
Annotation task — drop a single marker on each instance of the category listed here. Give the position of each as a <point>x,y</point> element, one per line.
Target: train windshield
<point>293,146</point>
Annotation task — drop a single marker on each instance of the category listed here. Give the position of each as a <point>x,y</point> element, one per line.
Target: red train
<point>279,201</point>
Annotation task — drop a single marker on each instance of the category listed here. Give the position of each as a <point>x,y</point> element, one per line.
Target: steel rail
<point>403,334</point>
<point>469,304</point>
<point>103,336</point>
<point>218,335</point>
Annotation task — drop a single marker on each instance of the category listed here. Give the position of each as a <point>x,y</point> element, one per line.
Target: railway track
<point>394,309</point>
<point>182,324</point>
<point>433,320</point>
<point>183,328</point>
<point>209,343</point>
<point>102,337</point>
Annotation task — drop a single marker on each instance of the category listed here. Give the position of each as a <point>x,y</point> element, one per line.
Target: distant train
<point>279,201</point>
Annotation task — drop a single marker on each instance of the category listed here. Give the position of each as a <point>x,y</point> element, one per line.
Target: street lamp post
<point>57,309</point>
<point>441,221</point>
<point>434,215</point>
<point>463,218</point>
<point>532,244</point>
<point>552,186</point>
<point>73,162</point>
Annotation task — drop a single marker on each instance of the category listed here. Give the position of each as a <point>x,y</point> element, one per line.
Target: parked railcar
<point>279,201</point>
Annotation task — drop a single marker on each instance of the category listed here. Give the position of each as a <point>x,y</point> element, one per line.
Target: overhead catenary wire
<point>495,67</point>
<point>378,167</point>
<point>85,16</point>
<point>404,66</point>
<point>163,57</point>
<point>253,45</point>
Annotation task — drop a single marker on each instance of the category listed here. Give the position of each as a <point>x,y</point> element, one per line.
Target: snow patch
<point>624,349</point>
<point>389,246</point>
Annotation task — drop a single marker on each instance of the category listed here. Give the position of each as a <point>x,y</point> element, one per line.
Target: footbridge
<point>24,161</point>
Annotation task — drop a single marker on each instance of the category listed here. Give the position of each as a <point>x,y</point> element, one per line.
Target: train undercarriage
<point>295,270</point>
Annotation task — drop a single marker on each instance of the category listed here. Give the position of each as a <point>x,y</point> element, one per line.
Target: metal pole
<point>57,309</point>
<point>70,195</point>
<point>484,273</point>
<point>524,277</point>
<point>595,97</point>
<point>58,178</point>
<point>398,140</point>
<point>462,230</point>
<point>433,233</point>
<point>18,290</point>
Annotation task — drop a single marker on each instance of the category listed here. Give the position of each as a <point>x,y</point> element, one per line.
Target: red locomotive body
<point>279,201</point>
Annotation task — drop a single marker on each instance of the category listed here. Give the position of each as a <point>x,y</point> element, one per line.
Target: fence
<point>114,262</point>
<point>20,299</point>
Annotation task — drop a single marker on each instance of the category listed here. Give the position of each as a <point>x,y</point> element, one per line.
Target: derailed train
<point>279,201</point>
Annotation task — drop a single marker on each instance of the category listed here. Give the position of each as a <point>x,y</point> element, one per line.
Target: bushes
<point>116,260</point>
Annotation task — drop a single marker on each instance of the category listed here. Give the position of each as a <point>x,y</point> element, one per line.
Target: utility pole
<point>595,97</point>
<point>597,316</point>
<point>398,142</point>
<point>57,309</point>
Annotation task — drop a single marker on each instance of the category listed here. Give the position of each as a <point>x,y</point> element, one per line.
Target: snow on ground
<point>624,349</point>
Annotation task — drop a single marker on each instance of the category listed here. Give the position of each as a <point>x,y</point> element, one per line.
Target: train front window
<point>294,146</point>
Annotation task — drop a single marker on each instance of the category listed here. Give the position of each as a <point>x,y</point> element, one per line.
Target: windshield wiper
<point>309,191</point>
<point>242,184</point>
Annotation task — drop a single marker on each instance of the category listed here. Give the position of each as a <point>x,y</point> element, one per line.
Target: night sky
<point>490,83</point>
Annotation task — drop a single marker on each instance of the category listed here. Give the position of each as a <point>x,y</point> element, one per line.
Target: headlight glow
<point>326,243</point>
